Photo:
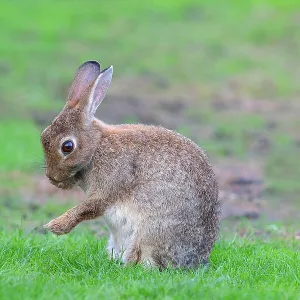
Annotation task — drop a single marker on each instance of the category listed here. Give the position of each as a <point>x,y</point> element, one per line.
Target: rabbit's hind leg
<point>132,254</point>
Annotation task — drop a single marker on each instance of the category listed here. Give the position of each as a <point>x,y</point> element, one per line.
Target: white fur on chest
<point>120,220</point>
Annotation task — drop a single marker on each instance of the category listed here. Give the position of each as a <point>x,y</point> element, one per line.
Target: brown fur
<point>154,187</point>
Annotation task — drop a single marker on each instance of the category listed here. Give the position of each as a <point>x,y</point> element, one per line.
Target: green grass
<point>283,166</point>
<point>184,42</point>
<point>20,146</point>
<point>77,267</point>
<point>233,134</point>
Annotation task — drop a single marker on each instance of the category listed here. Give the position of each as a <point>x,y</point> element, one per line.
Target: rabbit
<point>154,187</point>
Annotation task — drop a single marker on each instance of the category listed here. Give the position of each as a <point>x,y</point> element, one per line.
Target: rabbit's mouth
<point>60,184</point>
<point>67,183</point>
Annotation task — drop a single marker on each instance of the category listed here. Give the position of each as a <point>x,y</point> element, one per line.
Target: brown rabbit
<point>154,187</point>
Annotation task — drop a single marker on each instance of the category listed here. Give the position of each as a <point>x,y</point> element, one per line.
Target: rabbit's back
<point>151,153</point>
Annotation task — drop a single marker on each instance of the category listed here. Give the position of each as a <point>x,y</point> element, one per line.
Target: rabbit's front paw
<point>60,225</point>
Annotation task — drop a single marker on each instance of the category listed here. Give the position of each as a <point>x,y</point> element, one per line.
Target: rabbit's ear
<point>83,81</point>
<point>98,92</point>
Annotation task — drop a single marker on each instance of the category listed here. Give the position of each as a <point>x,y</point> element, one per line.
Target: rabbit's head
<point>70,141</point>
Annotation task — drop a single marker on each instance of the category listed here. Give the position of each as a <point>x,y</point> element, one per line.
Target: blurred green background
<point>224,73</point>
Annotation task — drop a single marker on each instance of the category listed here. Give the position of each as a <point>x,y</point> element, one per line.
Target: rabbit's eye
<point>67,147</point>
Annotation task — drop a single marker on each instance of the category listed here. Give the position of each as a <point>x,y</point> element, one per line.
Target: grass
<point>77,267</point>
<point>200,47</point>
<point>234,135</point>
<point>187,42</point>
<point>21,149</point>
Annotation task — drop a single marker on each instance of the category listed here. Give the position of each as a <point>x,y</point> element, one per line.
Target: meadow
<point>77,267</point>
<point>228,72</point>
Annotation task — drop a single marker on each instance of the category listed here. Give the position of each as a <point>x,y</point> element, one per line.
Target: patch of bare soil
<point>241,189</point>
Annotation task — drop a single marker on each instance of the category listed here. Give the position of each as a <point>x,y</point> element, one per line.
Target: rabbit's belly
<point>122,227</point>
